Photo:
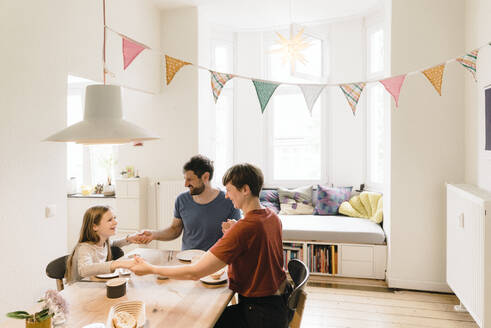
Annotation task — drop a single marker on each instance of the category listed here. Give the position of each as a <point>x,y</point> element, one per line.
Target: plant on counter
<point>54,306</point>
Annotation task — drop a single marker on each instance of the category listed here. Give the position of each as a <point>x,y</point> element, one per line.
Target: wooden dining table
<point>168,302</point>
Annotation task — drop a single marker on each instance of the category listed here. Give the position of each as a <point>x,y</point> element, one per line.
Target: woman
<point>252,247</point>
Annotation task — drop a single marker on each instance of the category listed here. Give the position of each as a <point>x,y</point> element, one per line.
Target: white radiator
<point>469,249</point>
<point>167,191</point>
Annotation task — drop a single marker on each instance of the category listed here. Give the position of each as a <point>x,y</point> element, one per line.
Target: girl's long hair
<point>92,217</point>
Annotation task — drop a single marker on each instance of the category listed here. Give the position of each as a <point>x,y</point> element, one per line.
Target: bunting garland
<point>265,89</point>
<point>172,66</point>
<point>353,92</point>
<point>131,49</point>
<point>393,86</point>
<point>469,62</point>
<point>435,75</point>
<point>311,92</point>
<point>264,92</point>
<point>218,81</point>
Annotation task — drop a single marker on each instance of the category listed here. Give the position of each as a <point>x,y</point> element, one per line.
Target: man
<point>199,213</point>
<point>253,250</point>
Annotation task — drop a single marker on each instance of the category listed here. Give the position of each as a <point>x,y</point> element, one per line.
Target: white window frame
<point>369,29</point>
<point>268,40</point>
<point>230,90</point>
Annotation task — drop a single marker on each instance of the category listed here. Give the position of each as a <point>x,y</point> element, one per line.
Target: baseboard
<point>431,286</point>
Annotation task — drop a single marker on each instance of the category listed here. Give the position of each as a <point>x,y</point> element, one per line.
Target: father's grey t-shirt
<point>203,222</point>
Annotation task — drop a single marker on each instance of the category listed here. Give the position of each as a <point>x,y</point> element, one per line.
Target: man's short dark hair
<point>245,174</point>
<point>199,164</point>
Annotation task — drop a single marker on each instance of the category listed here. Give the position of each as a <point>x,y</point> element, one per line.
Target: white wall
<point>427,139</point>
<point>173,113</point>
<point>346,132</point>
<point>41,44</point>
<point>477,27</point>
<point>32,173</point>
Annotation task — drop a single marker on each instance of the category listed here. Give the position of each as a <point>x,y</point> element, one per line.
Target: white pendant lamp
<point>103,121</point>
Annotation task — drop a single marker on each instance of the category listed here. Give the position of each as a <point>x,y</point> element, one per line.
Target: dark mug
<point>116,287</point>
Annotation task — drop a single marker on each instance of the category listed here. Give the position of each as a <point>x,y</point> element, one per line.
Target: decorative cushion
<point>368,205</point>
<point>270,199</point>
<point>329,199</point>
<point>296,201</point>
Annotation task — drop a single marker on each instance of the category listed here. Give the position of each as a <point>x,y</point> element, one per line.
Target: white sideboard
<point>129,206</point>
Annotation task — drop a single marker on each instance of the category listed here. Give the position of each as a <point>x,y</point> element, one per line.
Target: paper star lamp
<point>291,49</point>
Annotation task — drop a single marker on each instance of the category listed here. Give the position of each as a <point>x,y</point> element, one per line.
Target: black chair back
<point>116,252</point>
<point>300,274</point>
<point>56,268</point>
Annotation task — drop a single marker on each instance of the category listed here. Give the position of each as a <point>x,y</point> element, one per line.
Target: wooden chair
<point>56,268</point>
<point>296,301</point>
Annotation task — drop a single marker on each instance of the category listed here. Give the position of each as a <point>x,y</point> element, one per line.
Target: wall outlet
<point>50,211</point>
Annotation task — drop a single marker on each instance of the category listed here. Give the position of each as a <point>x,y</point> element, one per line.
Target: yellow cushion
<point>368,205</point>
<point>355,202</point>
<point>346,209</point>
<point>379,213</point>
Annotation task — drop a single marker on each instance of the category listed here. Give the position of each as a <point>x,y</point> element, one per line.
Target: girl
<point>92,254</point>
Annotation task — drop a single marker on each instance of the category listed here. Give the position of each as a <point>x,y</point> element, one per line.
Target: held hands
<point>141,267</point>
<point>141,238</point>
<point>227,225</point>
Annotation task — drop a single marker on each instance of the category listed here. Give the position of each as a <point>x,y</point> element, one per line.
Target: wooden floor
<point>375,305</point>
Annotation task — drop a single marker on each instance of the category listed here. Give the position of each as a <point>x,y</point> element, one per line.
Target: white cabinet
<point>129,206</point>
<point>469,249</point>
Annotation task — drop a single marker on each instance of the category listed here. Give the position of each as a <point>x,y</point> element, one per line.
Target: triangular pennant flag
<point>393,86</point>
<point>435,75</point>
<point>264,92</point>
<point>130,51</point>
<point>469,62</point>
<point>353,92</point>
<point>172,66</point>
<point>311,92</point>
<point>218,81</point>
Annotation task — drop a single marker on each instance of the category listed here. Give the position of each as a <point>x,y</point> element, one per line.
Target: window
<point>90,165</point>
<point>376,105</point>
<point>294,136</point>
<point>223,61</point>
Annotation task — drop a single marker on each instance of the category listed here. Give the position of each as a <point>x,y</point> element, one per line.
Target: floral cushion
<point>296,201</point>
<point>329,199</point>
<point>270,199</point>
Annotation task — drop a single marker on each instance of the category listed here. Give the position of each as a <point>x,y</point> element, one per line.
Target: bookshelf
<point>338,259</point>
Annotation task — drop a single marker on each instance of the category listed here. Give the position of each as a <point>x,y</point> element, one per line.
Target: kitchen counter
<point>89,196</point>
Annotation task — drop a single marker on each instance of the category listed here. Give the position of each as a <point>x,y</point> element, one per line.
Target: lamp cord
<point>104,41</point>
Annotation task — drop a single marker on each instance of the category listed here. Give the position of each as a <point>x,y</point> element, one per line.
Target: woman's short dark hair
<point>245,174</point>
<point>199,164</point>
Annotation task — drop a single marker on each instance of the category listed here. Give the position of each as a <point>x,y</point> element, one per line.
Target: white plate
<point>135,308</point>
<point>124,272</point>
<point>108,275</point>
<point>188,255</point>
<point>210,281</point>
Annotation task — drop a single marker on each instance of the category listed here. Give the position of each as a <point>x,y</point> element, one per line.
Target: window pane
<point>223,135</point>
<point>313,56</point>
<point>377,133</point>
<point>74,151</point>
<point>296,139</point>
<point>102,163</point>
<point>376,46</point>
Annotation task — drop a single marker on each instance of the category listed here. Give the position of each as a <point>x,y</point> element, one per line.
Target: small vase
<point>35,324</point>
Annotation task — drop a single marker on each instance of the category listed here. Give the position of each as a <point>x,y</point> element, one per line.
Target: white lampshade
<point>103,121</point>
